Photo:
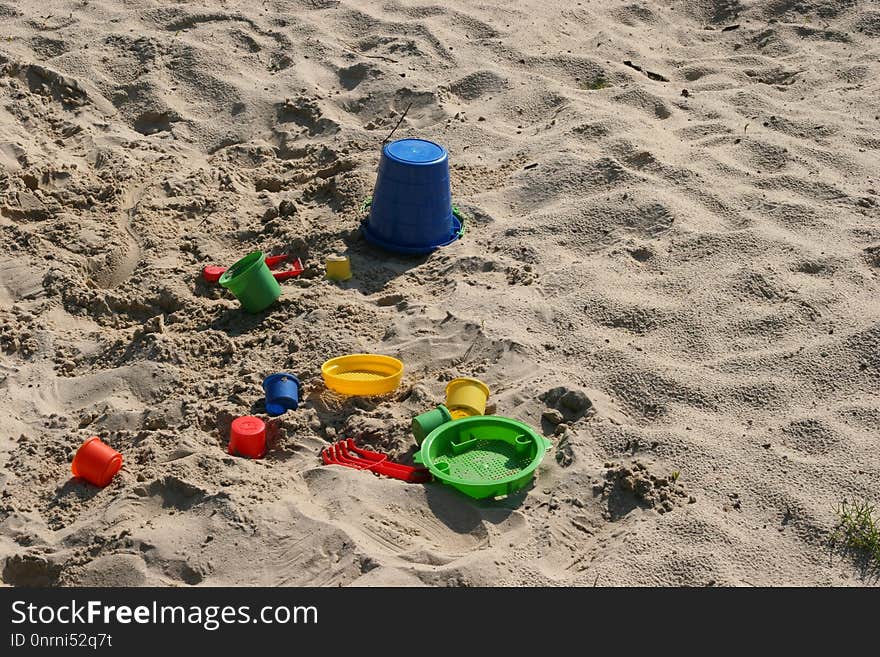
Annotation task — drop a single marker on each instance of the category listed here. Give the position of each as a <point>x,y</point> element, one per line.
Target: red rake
<point>346,453</point>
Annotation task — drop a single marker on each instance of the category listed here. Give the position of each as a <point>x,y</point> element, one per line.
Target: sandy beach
<point>671,269</point>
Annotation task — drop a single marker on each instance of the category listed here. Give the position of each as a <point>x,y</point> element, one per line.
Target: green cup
<point>425,423</point>
<point>252,283</point>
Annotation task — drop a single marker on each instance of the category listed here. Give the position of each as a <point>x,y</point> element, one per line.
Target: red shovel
<point>212,273</point>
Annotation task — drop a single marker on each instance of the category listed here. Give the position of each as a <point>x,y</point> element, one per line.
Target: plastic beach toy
<point>96,462</point>
<point>247,437</point>
<point>460,412</point>
<point>411,208</point>
<point>338,268</point>
<point>212,273</point>
<point>282,393</point>
<point>252,283</point>
<point>346,453</point>
<point>425,423</point>
<point>483,456</point>
<point>362,374</point>
<point>466,396</point>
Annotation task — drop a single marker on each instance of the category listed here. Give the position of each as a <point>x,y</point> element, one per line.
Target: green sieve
<point>483,456</point>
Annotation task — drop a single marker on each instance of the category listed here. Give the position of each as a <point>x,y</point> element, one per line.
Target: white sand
<point>703,265</point>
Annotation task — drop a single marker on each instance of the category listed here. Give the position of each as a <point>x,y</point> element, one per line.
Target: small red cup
<point>96,462</point>
<point>247,437</point>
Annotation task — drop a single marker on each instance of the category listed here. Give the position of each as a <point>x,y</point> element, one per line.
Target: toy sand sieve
<point>362,374</point>
<point>483,456</point>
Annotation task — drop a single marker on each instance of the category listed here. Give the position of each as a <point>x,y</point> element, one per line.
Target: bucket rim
<point>468,380</point>
<point>272,378</point>
<point>457,230</point>
<point>240,268</point>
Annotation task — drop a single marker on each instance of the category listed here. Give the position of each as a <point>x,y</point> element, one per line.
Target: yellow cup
<point>338,268</point>
<point>467,395</point>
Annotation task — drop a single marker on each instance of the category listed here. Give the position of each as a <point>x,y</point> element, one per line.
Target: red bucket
<point>247,437</point>
<point>96,462</point>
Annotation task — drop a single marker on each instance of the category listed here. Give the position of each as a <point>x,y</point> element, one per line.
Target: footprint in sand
<point>113,269</point>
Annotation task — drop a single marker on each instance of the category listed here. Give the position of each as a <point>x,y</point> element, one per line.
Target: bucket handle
<point>458,214</point>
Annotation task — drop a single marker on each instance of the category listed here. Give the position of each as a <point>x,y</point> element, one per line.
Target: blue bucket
<point>282,393</point>
<point>411,209</point>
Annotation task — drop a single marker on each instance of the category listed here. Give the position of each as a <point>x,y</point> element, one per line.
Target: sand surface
<point>672,266</point>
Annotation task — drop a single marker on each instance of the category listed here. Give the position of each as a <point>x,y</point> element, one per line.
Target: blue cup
<point>282,393</point>
<point>411,210</point>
